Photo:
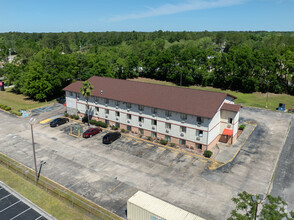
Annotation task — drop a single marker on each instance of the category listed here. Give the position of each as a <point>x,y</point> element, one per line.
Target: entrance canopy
<point>228,132</point>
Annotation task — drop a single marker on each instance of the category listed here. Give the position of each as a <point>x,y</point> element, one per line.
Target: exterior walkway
<point>228,152</point>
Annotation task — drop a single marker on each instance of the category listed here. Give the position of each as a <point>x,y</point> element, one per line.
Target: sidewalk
<point>227,153</point>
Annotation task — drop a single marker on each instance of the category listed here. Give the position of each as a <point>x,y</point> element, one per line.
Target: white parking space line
<point>9,206</point>
<point>5,196</point>
<point>20,213</point>
<point>39,217</point>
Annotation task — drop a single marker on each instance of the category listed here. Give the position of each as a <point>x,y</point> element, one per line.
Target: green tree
<point>272,208</point>
<point>86,91</point>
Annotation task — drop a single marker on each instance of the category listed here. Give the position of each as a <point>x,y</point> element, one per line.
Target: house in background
<point>189,117</point>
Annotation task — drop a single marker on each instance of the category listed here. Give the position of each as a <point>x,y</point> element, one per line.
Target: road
<point>283,184</point>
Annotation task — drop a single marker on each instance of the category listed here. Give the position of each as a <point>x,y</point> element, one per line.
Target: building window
<point>230,120</point>
<point>199,120</point>
<point>141,107</point>
<point>96,99</point>
<point>153,134</point>
<point>153,122</point>
<point>168,113</point>
<point>129,105</point>
<point>184,116</point>
<point>106,111</point>
<point>198,146</point>
<point>117,124</point>
<point>167,138</point>
<point>182,142</point>
<point>141,131</point>
<point>167,125</point>
<point>199,133</point>
<point>129,128</point>
<point>154,110</point>
<point>117,114</point>
<point>78,96</point>
<point>117,103</point>
<point>106,101</point>
<point>183,129</point>
<point>106,122</point>
<point>97,109</point>
<point>141,119</point>
<point>70,94</point>
<point>129,116</point>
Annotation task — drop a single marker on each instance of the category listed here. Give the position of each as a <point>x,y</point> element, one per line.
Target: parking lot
<point>110,174</point>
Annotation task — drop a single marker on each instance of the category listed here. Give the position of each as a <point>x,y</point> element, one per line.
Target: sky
<point>141,15</point>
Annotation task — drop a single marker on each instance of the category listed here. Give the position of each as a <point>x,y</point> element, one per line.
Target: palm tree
<point>86,91</point>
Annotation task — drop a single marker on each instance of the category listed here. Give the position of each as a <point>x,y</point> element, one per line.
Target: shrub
<point>172,144</point>
<point>207,153</point>
<point>101,124</point>
<point>65,114</point>
<point>93,122</point>
<point>76,117</point>
<point>140,135</point>
<point>72,116</point>
<point>123,130</point>
<point>16,113</point>
<point>114,127</point>
<point>241,127</point>
<point>1,106</point>
<point>163,142</point>
<point>149,138</point>
<point>7,108</point>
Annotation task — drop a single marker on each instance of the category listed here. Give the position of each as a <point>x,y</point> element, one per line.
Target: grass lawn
<point>256,99</point>
<point>18,101</point>
<point>47,202</point>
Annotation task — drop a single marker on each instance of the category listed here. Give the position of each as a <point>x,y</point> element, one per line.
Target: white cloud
<point>168,9</point>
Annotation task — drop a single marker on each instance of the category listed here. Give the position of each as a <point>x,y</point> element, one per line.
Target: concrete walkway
<point>228,152</point>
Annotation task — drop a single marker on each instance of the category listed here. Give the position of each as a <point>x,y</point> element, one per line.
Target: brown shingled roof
<point>231,107</point>
<point>177,99</point>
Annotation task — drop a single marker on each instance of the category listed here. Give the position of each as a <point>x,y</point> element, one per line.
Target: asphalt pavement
<point>283,184</point>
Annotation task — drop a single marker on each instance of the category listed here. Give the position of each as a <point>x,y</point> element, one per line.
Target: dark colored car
<point>58,121</point>
<point>291,110</point>
<point>91,132</point>
<point>110,137</point>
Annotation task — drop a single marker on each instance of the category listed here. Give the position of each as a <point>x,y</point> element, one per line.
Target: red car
<point>291,110</point>
<point>91,132</point>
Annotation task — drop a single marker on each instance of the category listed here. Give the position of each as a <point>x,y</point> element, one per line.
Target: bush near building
<point>207,153</point>
<point>242,127</point>
<point>163,142</point>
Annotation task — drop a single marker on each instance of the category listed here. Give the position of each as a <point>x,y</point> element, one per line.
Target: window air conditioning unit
<point>140,124</point>
<point>167,118</point>
<point>229,126</point>
<point>182,134</point>
<point>167,131</point>
<point>116,107</point>
<point>96,102</point>
<point>183,121</point>
<point>96,113</point>
<point>153,127</point>
<point>128,109</point>
<point>106,116</point>
<point>153,115</point>
<point>198,138</point>
<point>106,104</point>
<point>199,123</point>
<point>117,118</point>
<point>78,99</point>
<point>140,112</point>
<point>128,121</point>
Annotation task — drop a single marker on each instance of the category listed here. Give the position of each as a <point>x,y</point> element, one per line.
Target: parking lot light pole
<point>31,121</point>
